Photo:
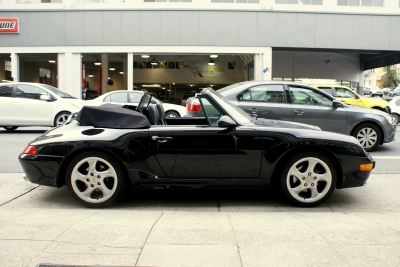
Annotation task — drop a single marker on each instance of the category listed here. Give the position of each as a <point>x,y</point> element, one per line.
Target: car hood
<point>284,124</point>
<point>379,102</point>
<point>78,103</point>
<point>366,110</point>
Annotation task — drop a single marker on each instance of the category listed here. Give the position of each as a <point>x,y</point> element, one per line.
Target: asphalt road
<point>386,156</point>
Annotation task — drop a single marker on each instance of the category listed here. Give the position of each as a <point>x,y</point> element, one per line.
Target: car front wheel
<point>308,179</point>
<point>368,135</point>
<point>61,118</point>
<point>95,180</point>
<point>10,128</point>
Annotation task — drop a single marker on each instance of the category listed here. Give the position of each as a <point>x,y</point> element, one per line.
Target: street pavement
<point>207,227</point>
<point>214,227</point>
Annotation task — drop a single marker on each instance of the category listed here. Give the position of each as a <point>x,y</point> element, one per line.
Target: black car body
<point>303,103</point>
<point>98,154</point>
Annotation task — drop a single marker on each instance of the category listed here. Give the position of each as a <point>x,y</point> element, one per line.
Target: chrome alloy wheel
<point>94,180</point>
<point>309,180</point>
<point>62,119</point>
<point>367,137</point>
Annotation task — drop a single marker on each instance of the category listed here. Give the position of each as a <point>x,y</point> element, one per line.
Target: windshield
<point>57,91</point>
<point>240,115</point>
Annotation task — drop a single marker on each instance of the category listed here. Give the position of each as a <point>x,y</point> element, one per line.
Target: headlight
<point>391,119</point>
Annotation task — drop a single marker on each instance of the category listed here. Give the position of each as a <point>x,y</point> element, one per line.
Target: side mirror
<point>226,122</point>
<point>336,104</point>
<point>44,97</point>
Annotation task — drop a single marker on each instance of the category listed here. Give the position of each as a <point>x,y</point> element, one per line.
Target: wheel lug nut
<point>92,185</point>
<point>303,178</point>
<point>309,174</point>
<point>98,183</point>
<point>305,184</point>
<point>98,176</point>
<point>315,177</point>
<point>91,174</point>
<point>312,184</point>
<point>87,179</point>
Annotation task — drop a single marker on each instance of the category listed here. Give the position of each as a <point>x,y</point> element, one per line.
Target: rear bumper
<point>41,170</point>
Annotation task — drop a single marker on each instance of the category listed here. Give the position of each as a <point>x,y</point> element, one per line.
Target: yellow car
<point>349,96</point>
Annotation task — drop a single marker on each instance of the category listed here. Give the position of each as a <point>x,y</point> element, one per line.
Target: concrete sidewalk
<point>356,227</point>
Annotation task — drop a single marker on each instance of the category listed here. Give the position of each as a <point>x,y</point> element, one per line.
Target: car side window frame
<point>36,95</point>
<point>221,112</point>
<point>326,95</point>
<point>12,90</point>
<point>250,90</point>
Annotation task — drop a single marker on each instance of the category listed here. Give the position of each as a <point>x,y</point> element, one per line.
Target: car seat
<point>161,114</point>
<point>152,114</point>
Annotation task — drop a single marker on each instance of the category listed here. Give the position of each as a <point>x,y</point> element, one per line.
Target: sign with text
<point>9,25</point>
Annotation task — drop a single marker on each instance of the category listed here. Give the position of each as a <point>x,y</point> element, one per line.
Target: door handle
<point>298,112</point>
<point>253,110</point>
<point>161,139</point>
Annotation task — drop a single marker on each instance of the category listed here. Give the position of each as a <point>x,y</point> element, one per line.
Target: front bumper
<point>39,169</point>
<point>355,177</point>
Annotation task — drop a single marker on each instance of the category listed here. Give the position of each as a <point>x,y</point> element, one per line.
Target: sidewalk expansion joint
<point>19,196</point>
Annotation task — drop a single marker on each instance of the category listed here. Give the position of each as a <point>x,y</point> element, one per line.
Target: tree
<point>389,80</point>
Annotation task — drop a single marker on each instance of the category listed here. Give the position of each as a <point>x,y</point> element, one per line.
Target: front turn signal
<point>366,167</point>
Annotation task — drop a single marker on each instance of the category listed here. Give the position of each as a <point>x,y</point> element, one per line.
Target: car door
<point>267,101</point>
<point>313,107</point>
<point>5,99</point>
<point>207,151</point>
<point>31,106</point>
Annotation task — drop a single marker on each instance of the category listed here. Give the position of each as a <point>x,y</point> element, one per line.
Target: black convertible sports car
<point>102,150</point>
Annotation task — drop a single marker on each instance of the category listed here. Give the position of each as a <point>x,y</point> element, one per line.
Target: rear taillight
<point>193,106</point>
<point>31,150</point>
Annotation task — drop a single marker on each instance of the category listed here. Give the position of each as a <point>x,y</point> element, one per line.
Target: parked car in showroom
<point>349,96</point>
<point>34,104</point>
<point>133,98</point>
<point>288,101</point>
<point>105,149</point>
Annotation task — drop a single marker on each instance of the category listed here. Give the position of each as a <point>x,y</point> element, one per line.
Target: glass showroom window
<point>38,1</point>
<point>311,2</point>
<point>233,1</point>
<point>348,2</point>
<point>168,1</point>
<point>286,2</point>
<point>372,2</point>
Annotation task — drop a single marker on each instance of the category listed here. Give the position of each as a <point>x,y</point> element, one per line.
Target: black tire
<point>104,183</point>
<point>10,128</point>
<point>308,179</point>
<point>368,135</point>
<point>61,118</point>
<point>172,114</point>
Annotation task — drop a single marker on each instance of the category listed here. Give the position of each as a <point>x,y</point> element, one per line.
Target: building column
<point>15,67</point>
<point>263,65</point>
<point>69,67</point>
<point>130,72</point>
<point>104,67</point>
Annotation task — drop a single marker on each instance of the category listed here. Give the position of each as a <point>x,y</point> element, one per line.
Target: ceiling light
<point>151,85</point>
<point>154,62</point>
<point>121,72</point>
<point>90,75</point>
<point>211,62</point>
<point>145,56</point>
<point>213,56</point>
<point>97,63</point>
<point>51,60</point>
<point>111,68</point>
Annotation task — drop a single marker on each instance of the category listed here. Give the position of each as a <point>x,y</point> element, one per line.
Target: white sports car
<point>133,98</point>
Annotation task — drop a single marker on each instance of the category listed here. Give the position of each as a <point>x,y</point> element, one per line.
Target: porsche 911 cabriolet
<point>102,150</point>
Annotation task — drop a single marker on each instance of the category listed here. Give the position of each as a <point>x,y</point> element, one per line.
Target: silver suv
<point>287,101</point>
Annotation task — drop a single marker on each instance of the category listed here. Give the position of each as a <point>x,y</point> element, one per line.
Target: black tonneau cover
<point>112,116</point>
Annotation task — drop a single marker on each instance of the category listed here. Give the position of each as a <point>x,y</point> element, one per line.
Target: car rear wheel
<point>61,118</point>
<point>172,114</point>
<point>95,180</point>
<point>368,135</point>
<point>308,179</point>
<point>11,128</point>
